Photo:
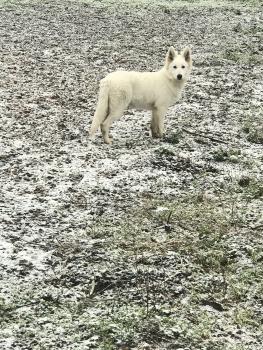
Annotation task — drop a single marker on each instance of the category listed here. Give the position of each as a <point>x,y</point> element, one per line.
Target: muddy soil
<point>73,210</point>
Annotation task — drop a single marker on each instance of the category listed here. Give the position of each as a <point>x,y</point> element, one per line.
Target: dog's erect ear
<point>186,52</point>
<point>171,54</point>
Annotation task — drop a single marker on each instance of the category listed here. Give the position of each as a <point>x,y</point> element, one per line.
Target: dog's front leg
<point>157,124</point>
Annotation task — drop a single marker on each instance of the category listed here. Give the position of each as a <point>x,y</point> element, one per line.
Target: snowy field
<point>145,244</point>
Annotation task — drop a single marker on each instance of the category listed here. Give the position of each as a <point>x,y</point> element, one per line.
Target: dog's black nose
<point>179,76</point>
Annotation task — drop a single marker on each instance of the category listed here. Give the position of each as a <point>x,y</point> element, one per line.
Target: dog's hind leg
<point>105,126</point>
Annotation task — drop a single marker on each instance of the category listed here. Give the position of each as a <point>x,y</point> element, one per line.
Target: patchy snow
<point>79,247</point>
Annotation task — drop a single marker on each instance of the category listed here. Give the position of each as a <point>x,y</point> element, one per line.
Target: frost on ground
<point>146,244</point>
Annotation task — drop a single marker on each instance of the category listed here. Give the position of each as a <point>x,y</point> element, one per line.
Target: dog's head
<point>178,65</point>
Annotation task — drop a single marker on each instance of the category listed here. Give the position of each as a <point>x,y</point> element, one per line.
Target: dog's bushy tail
<point>102,108</point>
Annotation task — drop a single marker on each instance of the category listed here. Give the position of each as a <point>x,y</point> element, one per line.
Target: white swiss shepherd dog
<point>154,91</point>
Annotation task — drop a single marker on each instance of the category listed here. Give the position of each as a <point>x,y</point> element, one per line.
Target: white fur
<point>154,91</point>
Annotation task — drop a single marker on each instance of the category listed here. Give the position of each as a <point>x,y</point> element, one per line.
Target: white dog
<point>154,91</point>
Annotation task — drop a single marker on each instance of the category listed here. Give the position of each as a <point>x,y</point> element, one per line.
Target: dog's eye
<point>183,66</point>
<point>175,67</point>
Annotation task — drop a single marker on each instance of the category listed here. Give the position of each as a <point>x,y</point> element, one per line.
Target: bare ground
<point>145,244</point>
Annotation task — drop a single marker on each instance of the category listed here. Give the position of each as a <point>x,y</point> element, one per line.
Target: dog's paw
<point>157,134</point>
<point>108,140</point>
